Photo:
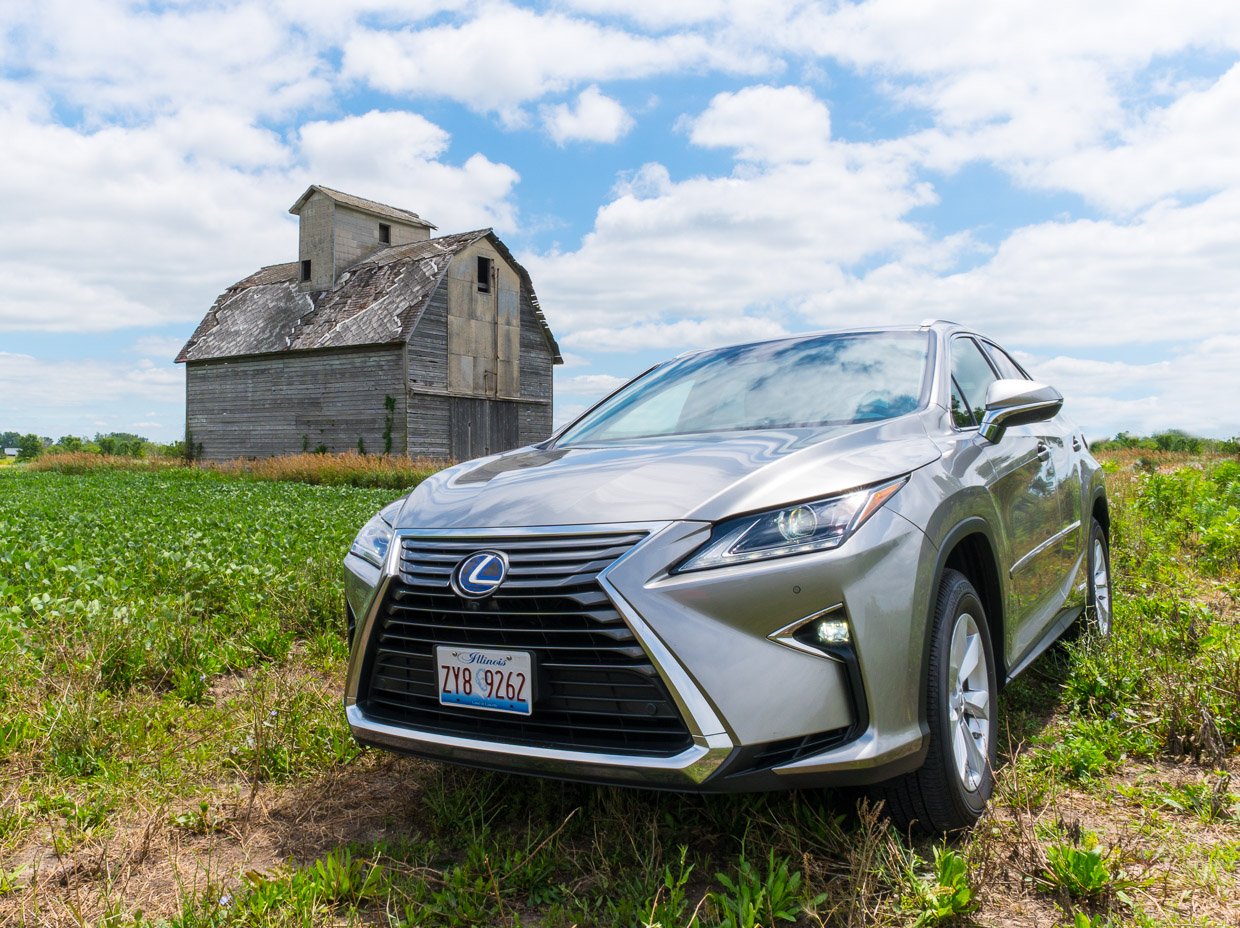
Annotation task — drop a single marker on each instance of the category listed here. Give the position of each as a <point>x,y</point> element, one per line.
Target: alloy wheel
<point>968,702</point>
<point>1102,589</point>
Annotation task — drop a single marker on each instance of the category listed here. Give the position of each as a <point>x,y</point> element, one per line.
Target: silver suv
<point>803,562</point>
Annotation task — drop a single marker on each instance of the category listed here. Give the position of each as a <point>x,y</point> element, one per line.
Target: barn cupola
<point>338,229</point>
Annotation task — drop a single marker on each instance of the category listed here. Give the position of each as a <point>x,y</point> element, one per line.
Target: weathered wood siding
<point>356,236</point>
<point>284,404</point>
<point>459,416</point>
<point>315,241</point>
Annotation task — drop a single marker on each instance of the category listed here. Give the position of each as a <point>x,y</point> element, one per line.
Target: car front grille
<point>594,686</point>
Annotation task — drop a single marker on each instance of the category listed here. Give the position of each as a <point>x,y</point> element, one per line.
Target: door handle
<point>1043,450</point>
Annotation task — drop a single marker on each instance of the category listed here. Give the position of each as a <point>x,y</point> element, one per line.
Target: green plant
<point>389,419</point>
<point>1081,871</point>
<point>667,908</point>
<point>200,820</point>
<point>948,895</point>
<point>12,880</point>
<point>752,898</point>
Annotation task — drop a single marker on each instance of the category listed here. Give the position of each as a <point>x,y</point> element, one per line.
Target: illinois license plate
<point>498,681</point>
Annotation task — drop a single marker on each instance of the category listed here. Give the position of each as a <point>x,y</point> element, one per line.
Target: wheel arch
<point>1101,511</point>
<point>970,548</point>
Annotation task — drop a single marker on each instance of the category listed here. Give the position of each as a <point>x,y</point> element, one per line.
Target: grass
<point>381,471</point>
<point>172,750</point>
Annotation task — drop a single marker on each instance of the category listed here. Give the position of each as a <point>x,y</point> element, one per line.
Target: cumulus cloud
<point>1180,392</point>
<point>766,124</point>
<point>741,249</point>
<point>393,157</point>
<point>594,117</point>
<point>504,56</point>
<point>1081,284</point>
<point>589,384</point>
<point>119,227</point>
<point>64,397</point>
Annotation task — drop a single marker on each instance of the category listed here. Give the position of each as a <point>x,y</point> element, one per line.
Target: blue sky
<point>1064,176</point>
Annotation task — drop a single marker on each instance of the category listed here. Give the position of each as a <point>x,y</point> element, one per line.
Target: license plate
<point>498,681</point>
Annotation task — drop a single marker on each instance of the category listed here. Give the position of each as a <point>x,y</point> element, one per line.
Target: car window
<point>1008,369</point>
<point>973,373</point>
<point>961,414</point>
<point>658,417</point>
<point>811,382</point>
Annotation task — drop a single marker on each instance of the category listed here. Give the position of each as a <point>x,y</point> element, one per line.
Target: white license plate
<point>498,681</point>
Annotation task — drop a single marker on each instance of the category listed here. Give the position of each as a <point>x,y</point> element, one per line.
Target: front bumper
<point>760,714</point>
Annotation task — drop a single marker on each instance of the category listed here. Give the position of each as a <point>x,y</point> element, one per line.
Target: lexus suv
<point>803,562</point>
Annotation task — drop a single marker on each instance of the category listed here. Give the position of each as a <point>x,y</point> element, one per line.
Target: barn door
<point>481,427</point>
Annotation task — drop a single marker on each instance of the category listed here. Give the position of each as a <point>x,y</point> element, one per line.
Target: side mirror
<point>1017,402</point>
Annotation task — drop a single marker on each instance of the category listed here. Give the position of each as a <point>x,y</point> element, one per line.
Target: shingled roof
<point>377,301</point>
<point>361,203</point>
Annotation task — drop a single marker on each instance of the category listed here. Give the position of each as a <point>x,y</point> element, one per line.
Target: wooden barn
<point>379,337</point>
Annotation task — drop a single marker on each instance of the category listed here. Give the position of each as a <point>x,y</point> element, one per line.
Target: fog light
<point>832,631</point>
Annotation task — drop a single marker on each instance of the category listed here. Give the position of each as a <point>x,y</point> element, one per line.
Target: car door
<point>1026,495</point>
<point>1062,441</point>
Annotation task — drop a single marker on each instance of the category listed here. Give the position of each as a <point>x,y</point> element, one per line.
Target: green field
<point>172,748</point>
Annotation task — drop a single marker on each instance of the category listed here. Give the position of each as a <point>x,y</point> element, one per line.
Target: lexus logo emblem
<point>480,574</point>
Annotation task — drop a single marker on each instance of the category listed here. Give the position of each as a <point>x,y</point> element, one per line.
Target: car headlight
<point>376,535</point>
<point>804,527</point>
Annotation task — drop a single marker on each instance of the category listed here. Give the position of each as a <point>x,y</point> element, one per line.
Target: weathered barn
<point>378,337</point>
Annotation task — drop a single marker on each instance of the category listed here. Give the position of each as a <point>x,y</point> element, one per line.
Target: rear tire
<point>1098,612</point>
<point>950,790</point>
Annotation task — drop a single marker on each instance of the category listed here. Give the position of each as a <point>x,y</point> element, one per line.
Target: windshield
<point>810,382</point>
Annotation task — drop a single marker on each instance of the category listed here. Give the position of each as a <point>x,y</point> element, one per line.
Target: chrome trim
<point>711,741</point>
<point>1054,539</point>
<point>692,765</point>
<point>785,635</point>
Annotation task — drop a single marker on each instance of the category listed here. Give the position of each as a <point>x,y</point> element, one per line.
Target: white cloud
<point>589,384</point>
<point>733,248</point>
<point>1167,276</point>
<point>63,397</point>
<point>504,56</point>
<point>393,157</point>
<point>594,118</point>
<point>1183,392</point>
<point>669,336</point>
<point>115,61</point>
<point>766,124</point>
<point>159,347</point>
<point>1191,146</point>
<point>121,227</point>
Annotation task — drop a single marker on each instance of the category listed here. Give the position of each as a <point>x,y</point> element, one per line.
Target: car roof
<point>943,326</point>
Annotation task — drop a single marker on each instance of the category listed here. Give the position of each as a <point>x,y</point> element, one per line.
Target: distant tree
<point>10,439</point>
<point>123,444</point>
<point>29,447</point>
<point>1176,440</point>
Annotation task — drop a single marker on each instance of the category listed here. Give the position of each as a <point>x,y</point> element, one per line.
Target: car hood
<point>700,477</point>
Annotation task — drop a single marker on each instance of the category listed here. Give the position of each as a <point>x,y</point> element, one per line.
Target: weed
<point>948,895</point>
<point>667,908</point>
<point>751,898</point>
<point>12,880</point>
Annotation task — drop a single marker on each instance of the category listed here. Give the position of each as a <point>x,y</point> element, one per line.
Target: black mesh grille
<point>774,753</point>
<point>594,686</point>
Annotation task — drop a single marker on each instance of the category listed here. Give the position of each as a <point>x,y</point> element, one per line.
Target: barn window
<point>385,234</point>
<point>305,270</point>
<point>484,274</point>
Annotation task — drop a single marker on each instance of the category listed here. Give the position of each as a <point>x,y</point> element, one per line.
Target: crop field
<point>173,750</point>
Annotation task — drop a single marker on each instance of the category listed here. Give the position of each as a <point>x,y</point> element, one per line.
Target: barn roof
<point>377,301</point>
<point>361,203</point>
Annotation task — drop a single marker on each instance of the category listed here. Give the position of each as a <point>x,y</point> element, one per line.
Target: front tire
<point>950,790</point>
